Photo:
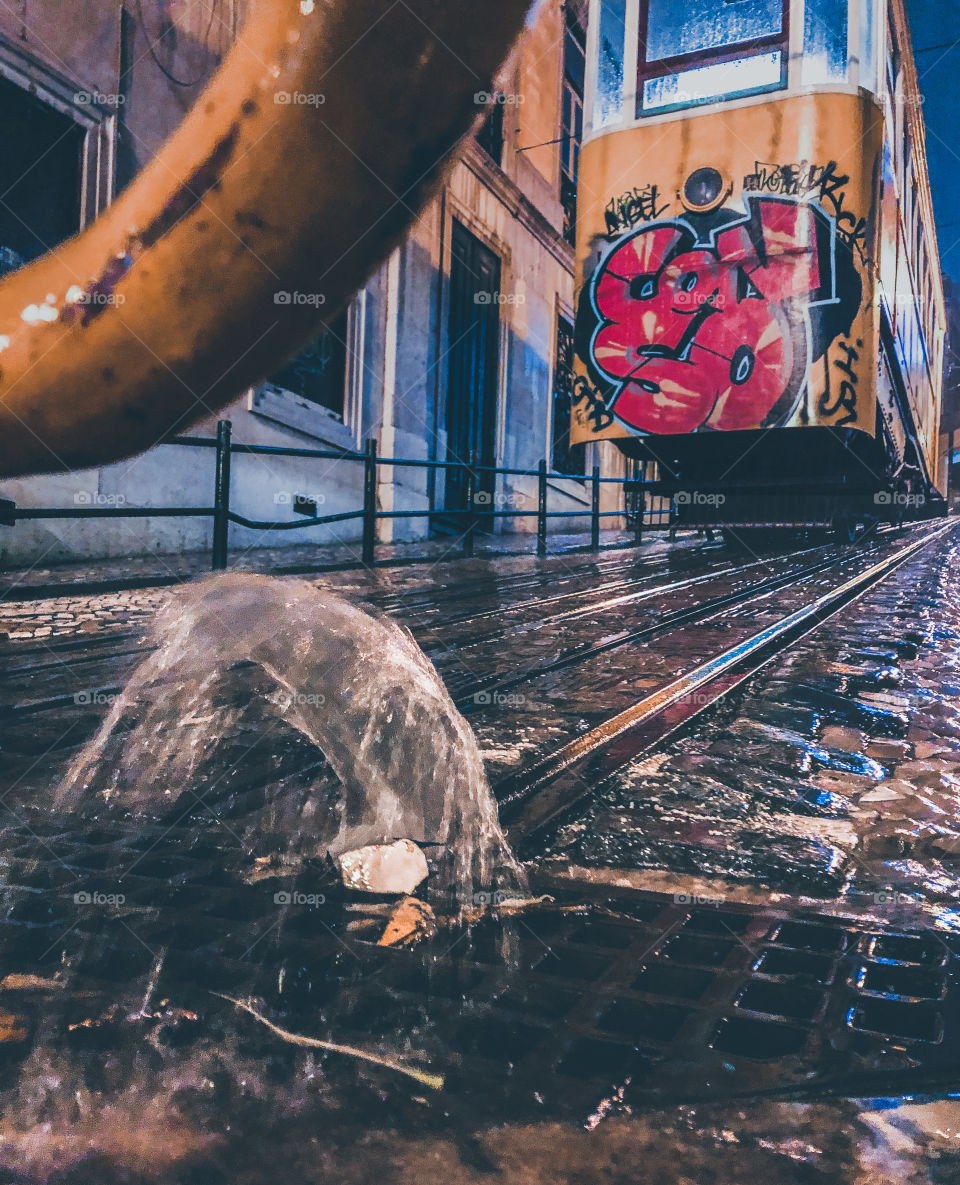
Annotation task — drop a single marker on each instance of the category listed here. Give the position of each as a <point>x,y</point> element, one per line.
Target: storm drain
<point>587,997</point>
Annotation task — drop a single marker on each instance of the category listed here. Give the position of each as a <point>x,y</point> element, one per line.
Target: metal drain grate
<point>630,991</point>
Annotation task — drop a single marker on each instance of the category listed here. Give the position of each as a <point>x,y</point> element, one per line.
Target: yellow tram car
<point>760,308</point>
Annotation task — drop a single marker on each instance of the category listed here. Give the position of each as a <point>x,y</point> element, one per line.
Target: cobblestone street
<point>765,900</point>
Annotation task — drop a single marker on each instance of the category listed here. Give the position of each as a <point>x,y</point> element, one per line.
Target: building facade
<point>458,349</point>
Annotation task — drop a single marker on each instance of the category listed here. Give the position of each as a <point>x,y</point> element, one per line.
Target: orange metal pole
<point>300,167</point>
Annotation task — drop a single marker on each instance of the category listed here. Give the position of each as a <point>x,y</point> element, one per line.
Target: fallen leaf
<point>411,921</point>
<point>12,1028</point>
<point>29,983</point>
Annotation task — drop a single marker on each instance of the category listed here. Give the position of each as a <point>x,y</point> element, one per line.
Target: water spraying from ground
<point>282,655</point>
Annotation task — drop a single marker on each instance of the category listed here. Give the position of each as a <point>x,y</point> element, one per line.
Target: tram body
<point>759,309</point>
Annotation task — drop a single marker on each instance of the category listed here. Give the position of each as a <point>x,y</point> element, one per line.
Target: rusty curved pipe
<point>166,308</point>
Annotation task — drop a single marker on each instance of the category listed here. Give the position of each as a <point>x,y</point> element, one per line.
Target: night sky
<point>937,23</point>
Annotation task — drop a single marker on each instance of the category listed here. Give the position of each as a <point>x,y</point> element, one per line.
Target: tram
<point>760,310</point>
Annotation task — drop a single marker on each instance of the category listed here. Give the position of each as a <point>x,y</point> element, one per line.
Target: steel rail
<point>69,664</point>
<point>614,586</point>
<point>98,649</point>
<point>613,602</point>
<point>536,796</point>
<point>467,699</point>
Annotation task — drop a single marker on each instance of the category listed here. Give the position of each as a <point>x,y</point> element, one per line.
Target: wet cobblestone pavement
<point>158,569</point>
<point>758,917</point>
<point>847,750</point>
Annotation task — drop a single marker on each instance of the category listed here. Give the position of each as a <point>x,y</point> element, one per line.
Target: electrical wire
<point>153,53</point>
<point>942,45</point>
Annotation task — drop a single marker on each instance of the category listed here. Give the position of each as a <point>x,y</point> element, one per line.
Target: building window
<point>490,133</point>
<point>318,374</point>
<point>699,51</point>
<point>42,191</point>
<point>571,130</point>
<point>565,457</point>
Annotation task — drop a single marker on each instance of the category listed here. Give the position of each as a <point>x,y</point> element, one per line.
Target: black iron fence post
<point>221,495</point>
<point>595,509</point>
<point>470,524</point>
<point>370,503</point>
<point>542,508</point>
<point>641,508</point>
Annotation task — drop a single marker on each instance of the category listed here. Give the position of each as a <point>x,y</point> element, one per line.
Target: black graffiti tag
<point>590,403</point>
<point>797,180</point>
<point>832,196</point>
<point>845,398</point>
<point>803,179</point>
<point>640,204</point>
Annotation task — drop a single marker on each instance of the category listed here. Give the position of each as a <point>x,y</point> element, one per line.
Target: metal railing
<point>469,518</point>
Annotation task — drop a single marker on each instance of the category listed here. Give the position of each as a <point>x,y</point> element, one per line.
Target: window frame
<point>563,318</point>
<point>98,123</point>
<point>571,138</point>
<point>716,56</point>
<point>490,134</point>
<point>287,408</point>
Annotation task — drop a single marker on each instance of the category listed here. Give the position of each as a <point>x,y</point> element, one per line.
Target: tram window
<point>893,59</point>
<point>868,46</point>
<point>679,27</point>
<point>697,51</point>
<point>824,42</point>
<point>743,76</point>
<point>608,101</point>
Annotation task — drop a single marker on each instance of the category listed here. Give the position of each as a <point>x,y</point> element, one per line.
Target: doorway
<point>473,372</point>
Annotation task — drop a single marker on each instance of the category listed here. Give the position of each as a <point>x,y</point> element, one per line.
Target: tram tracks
<point>538,795</point>
<point>62,659</point>
<point>467,700</point>
<point>118,653</point>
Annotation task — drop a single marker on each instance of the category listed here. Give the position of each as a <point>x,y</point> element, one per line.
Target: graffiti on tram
<point>713,319</point>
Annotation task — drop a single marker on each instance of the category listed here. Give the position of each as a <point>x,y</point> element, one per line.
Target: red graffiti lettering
<point>709,335</point>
